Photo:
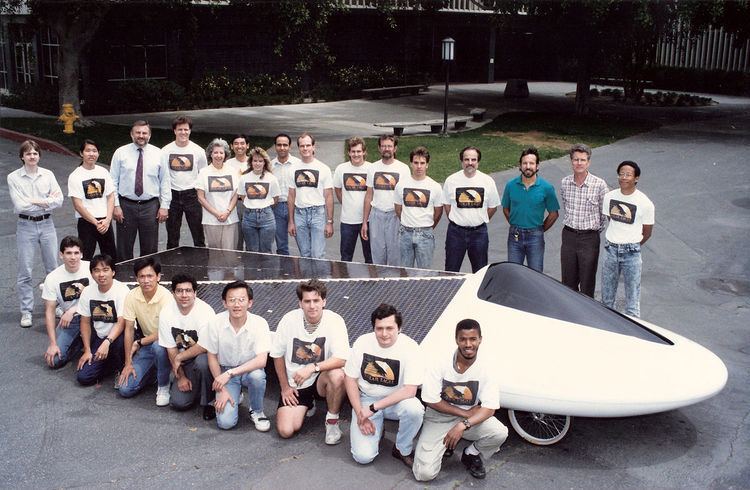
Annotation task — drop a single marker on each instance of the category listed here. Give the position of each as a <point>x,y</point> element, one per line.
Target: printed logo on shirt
<point>184,339</point>
<point>416,198</point>
<point>308,352</point>
<point>355,182</point>
<point>469,197</point>
<point>71,290</point>
<point>181,163</point>
<point>386,181</point>
<point>306,177</point>
<point>256,190</point>
<point>93,188</point>
<point>463,393</point>
<point>220,183</point>
<point>103,311</point>
<point>379,370</point>
<point>623,212</point>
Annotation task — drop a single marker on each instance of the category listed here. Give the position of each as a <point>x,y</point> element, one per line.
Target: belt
<point>580,232</point>
<point>133,201</point>
<point>34,218</point>
<point>468,228</point>
<point>180,192</point>
<point>416,228</point>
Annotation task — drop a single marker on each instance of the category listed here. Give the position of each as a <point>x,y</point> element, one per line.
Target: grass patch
<point>109,137</point>
<point>503,139</point>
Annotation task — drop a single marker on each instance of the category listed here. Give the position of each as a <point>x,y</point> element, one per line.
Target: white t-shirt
<point>300,348</point>
<point>283,171</point>
<point>92,187</point>
<point>183,331</point>
<point>476,384</point>
<point>103,308</point>
<point>258,193</point>
<point>627,215</point>
<point>418,200</point>
<point>236,348</point>
<point>469,198</point>
<point>219,186</point>
<point>380,371</point>
<point>184,163</point>
<point>66,287</point>
<point>352,181</point>
<point>310,181</point>
<point>238,165</point>
<point>383,179</point>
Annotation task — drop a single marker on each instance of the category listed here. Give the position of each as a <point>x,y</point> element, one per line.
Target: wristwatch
<point>372,408</point>
<point>108,339</point>
<point>140,344</point>
<point>329,221</point>
<point>466,423</point>
<point>317,367</point>
<point>230,373</point>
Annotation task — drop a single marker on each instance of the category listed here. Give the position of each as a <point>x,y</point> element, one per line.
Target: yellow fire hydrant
<point>68,117</point>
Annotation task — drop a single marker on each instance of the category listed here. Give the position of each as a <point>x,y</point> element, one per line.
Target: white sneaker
<point>25,319</point>
<point>162,396</point>
<point>333,433</point>
<point>311,412</point>
<point>58,312</point>
<point>261,422</point>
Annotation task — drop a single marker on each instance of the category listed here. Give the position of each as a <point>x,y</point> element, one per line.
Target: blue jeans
<point>409,414</point>
<point>310,223</point>
<point>93,372</point>
<point>259,229</point>
<point>461,239</point>
<point>526,243</point>
<point>349,236</point>
<point>417,246</point>
<point>255,382</point>
<point>68,341</point>
<point>29,234</point>
<point>150,362</point>
<point>383,234</point>
<point>622,259</point>
<point>281,213</point>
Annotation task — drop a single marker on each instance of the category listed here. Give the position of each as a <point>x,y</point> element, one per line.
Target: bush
<point>223,89</point>
<point>138,96</point>
<point>40,97</point>
<point>694,80</point>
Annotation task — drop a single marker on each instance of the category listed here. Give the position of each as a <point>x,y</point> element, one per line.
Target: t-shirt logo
<point>103,311</point>
<point>469,197</point>
<point>386,181</point>
<point>355,182</point>
<point>624,212</point>
<point>93,188</point>
<point>307,177</point>
<point>308,352</point>
<point>463,393</point>
<point>71,290</point>
<point>416,198</point>
<point>184,339</point>
<point>256,190</point>
<point>220,183</point>
<point>181,163</point>
<point>380,371</point>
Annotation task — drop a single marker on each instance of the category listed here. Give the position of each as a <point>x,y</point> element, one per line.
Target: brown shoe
<point>408,460</point>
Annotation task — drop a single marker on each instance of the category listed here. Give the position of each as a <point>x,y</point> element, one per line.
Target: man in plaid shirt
<point>582,194</point>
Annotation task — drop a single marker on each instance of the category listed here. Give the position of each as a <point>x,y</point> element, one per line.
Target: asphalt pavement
<point>696,282</point>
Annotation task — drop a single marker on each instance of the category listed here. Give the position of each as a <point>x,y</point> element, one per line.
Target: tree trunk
<point>583,86</point>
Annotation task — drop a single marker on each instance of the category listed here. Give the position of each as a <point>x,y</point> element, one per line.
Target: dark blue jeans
<point>526,243</point>
<point>349,235</point>
<point>281,213</point>
<point>93,372</point>
<point>185,202</point>
<point>461,239</point>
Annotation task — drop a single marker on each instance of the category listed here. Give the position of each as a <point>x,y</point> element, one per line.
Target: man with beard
<point>282,168</point>
<point>525,200</point>
<point>462,394</point>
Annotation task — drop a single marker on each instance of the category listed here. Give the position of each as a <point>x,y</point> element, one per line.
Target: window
<point>50,55</point>
<point>137,62</point>
<point>25,62</point>
<point>3,62</point>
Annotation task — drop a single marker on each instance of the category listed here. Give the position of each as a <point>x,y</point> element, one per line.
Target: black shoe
<point>209,412</point>
<point>473,463</point>
<point>408,460</point>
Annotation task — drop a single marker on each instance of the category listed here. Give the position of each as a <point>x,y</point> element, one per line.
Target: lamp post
<point>447,55</point>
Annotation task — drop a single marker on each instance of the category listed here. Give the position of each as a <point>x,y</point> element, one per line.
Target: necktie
<point>139,174</point>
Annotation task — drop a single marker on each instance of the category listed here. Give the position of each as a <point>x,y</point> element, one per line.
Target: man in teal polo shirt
<point>525,200</point>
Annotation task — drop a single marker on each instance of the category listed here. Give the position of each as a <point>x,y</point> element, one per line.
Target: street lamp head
<point>448,45</point>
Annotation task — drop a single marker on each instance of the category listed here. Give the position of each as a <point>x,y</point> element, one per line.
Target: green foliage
<point>693,80</point>
<point>40,97</point>
<point>223,89</point>
<point>138,96</point>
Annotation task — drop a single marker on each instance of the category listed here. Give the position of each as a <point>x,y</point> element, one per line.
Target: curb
<point>45,144</point>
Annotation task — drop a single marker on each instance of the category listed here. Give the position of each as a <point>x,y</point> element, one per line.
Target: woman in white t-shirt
<point>259,190</point>
<point>217,192</point>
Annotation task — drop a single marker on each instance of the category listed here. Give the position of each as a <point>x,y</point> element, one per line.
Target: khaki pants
<point>221,236</point>
<point>487,437</point>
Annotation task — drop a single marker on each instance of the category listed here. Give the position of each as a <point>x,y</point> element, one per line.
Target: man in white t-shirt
<point>383,373</point>
<point>379,221</point>
<point>184,159</point>
<point>631,222</point>
<point>62,288</point>
<point>470,200</point>
<point>100,307</point>
<point>282,169</point>
<point>419,207</point>
<point>462,394</point>
<point>309,350</point>
<point>350,185</point>
<point>238,343</point>
<point>182,323</point>
<point>310,201</point>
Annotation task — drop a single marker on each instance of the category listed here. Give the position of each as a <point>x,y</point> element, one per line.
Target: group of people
<point>195,356</point>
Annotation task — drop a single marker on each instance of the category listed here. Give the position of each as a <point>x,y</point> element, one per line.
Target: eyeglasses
<point>236,301</point>
<point>626,174</point>
<point>184,291</point>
